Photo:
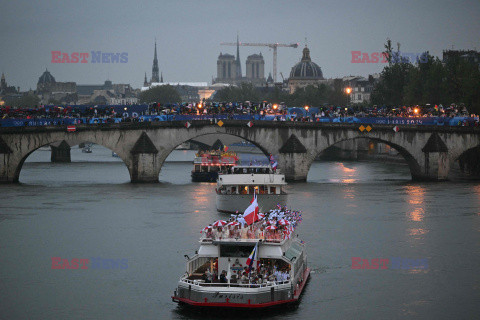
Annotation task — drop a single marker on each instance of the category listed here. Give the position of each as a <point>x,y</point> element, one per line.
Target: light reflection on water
<point>416,198</point>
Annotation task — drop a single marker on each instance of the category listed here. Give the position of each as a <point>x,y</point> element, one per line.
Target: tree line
<point>429,80</point>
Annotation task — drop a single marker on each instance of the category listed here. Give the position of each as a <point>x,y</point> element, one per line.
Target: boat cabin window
<point>260,170</point>
<point>230,251</point>
<point>197,168</point>
<point>273,190</point>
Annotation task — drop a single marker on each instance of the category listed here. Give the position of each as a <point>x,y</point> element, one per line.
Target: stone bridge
<point>429,151</point>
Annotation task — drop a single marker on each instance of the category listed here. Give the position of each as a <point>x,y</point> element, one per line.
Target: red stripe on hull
<point>297,294</point>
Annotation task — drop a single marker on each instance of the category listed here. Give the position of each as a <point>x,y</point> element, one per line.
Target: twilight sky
<point>189,34</point>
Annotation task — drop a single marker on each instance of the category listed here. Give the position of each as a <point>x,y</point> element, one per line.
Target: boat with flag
<point>236,187</point>
<point>253,261</point>
<point>207,164</point>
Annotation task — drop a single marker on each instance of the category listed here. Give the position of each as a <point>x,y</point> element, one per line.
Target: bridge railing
<point>180,122</point>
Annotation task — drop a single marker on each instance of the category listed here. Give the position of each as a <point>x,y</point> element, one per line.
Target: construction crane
<point>274,46</point>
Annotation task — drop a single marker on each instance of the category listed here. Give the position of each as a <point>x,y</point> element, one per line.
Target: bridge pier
<point>294,160</point>
<point>6,172</point>
<point>436,168</point>
<point>145,166</point>
<point>295,166</point>
<point>60,152</point>
<point>436,163</point>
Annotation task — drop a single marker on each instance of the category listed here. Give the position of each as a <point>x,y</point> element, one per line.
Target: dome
<point>46,77</point>
<point>306,69</point>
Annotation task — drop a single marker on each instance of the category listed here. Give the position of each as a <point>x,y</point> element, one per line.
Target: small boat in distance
<point>87,149</point>
<point>236,187</point>
<point>261,265</point>
<point>207,165</point>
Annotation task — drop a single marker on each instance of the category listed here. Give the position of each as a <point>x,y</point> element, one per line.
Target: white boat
<point>219,276</point>
<point>87,149</point>
<point>235,189</point>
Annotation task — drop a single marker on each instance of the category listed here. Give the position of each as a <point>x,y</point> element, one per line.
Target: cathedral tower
<point>155,77</point>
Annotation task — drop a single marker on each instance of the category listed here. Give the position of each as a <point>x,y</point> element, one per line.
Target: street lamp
<point>348,90</point>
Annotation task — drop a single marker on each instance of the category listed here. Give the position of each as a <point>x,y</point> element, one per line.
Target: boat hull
<point>219,300</point>
<point>230,203</point>
<point>204,176</point>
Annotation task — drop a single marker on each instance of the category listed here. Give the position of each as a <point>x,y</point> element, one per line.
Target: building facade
<point>255,69</point>
<point>361,88</point>
<point>50,90</point>
<point>305,73</point>
<point>227,69</point>
<point>5,89</point>
<point>468,55</point>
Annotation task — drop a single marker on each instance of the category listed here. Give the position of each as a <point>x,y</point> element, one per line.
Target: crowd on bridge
<point>61,115</point>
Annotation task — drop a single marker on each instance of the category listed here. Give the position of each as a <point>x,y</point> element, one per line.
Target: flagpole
<point>229,273</point>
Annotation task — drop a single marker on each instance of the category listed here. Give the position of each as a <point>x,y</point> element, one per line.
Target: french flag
<point>274,165</point>
<point>252,257</point>
<point>251,213</point>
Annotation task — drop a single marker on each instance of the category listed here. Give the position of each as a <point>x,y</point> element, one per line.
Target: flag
<point>274,165</point>
<point>251,213</point>
<point>252,257</point>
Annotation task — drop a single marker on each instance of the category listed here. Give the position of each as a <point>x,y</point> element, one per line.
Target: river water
<point>350,209</point>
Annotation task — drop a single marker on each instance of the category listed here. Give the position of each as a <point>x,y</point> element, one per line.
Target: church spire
<point>145,82</point>
<point>155,65</point>
<point>3,83</point>
<point>239,66</point>
<point>161,77</point>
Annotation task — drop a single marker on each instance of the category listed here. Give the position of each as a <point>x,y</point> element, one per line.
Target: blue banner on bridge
<point>133,116</point>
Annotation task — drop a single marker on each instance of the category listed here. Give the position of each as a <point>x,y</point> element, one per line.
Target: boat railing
<point>202,283</point>
<point>206,161</point>
<point>205,239</point>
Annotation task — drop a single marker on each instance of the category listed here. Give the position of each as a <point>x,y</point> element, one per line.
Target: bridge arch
<point>256,144</point>
<point>24,148</point>
<point>166,142</point>
<point>469,161</point>
<point>411,161</point>
<point>71,143</point>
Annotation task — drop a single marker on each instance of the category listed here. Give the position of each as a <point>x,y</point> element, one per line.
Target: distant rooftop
<point>190,84</point>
